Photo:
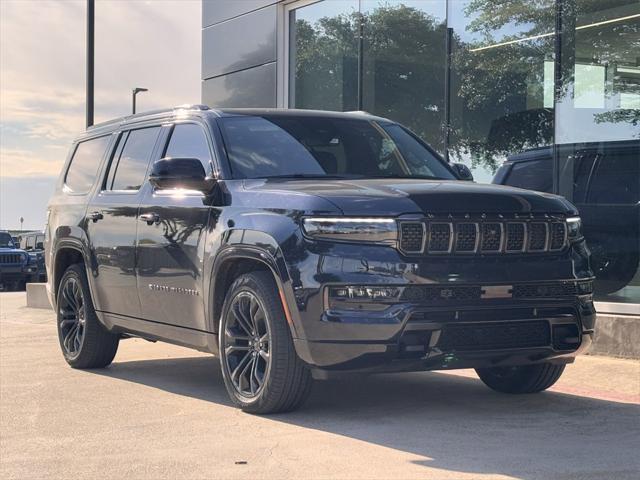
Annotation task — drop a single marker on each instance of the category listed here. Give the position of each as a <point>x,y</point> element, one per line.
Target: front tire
<point>521,379</point>
<point>261,370</point>
<point>84,341</point>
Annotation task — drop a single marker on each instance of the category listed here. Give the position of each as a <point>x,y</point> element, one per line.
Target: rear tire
<point>84,341</point>
<point>521,379</point>
<point>260,367</point>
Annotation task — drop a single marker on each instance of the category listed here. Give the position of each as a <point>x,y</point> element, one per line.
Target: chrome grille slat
<point>489,236</point>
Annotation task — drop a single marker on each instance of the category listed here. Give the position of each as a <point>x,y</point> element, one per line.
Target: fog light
<point>364,293</point>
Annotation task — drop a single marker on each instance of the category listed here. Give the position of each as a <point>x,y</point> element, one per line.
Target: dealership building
<point>550,87</point>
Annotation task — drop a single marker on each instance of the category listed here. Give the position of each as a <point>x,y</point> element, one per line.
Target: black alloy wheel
<point>247,339</point>
<point>261,370</point>
<point>84,341</point>
<point>72,316</point>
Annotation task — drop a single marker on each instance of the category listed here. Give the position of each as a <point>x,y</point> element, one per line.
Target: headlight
<point>574,228</point>
<point>365,230</point>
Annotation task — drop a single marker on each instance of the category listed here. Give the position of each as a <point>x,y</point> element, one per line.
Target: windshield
<point>288,146</point>
<point>5,240</point>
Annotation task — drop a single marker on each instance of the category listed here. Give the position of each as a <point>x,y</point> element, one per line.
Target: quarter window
<point>131,165</point>
<point>85,163</point>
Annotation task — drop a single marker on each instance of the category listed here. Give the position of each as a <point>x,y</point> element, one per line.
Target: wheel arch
<point>67,253</point>
<point>233,261</point>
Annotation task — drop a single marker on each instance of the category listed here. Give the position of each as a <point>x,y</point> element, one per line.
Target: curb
<point>37,296</point>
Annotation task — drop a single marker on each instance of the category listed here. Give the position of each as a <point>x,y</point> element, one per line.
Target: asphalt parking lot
<point>162,412</point>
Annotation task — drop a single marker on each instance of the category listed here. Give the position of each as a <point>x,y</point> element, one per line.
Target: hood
<point>402,196</point>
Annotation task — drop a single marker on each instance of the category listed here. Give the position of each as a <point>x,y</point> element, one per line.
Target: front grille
<point>491,237</point>
<point>466,237</point>
<point>516,234</point>
<point>444,293</point>
<point>491,336</point>
<point>465,293</point>
<point>537,237</point>
<point>411,236</point>
<point>545,290</point>
<point>558,236</point>
<point>486,236</point>
<point>10,258</point>
<point>440,237</point>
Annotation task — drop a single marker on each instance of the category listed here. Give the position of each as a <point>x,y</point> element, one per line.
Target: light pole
<point>21,222</point>
<point>90,59</point>
<point>134,92</point>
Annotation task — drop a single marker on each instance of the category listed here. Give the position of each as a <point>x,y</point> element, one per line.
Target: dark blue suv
<point>14,263</point>
<point>298,245</point>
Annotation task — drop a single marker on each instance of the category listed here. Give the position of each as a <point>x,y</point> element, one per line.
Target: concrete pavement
<point>162,412</point>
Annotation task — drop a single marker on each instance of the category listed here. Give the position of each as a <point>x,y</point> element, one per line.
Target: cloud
<point>42,76</point>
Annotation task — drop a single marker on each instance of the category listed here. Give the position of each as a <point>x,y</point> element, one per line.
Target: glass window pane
<point>404,54</point>
<point>134,159</point>
<point>533,175</point>
<point>85,163</point>
<point>598,132</point>
<point>323,56</point>
<point>189,140</point>
<point>502,76</point>
<point>280,145</point>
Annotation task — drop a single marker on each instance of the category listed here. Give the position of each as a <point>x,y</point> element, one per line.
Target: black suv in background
<point>605,180</point>
<point>14,263</point>
<point>33,244</point>
<point>298,244</point>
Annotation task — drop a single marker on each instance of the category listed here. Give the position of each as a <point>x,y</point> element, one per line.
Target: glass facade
<point>542,95</point>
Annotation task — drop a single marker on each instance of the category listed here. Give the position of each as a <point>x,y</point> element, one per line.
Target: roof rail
<point>363,112</point>
<point>124,118</point>
<point>195,106</point>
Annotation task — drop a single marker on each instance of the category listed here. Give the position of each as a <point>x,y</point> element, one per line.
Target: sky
<point>139,43</point>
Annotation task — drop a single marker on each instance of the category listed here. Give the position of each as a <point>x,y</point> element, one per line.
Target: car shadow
<point>453,423</point>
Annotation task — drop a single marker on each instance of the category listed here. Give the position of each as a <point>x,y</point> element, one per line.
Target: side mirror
<point>187,173</point>
<point>462,171</point>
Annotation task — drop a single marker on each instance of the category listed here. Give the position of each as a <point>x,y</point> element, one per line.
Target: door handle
<point>95,216</point>
<point>150,218</point>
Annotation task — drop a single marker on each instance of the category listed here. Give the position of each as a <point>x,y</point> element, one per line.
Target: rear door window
<point>129,165</point>
<point>84,165</point>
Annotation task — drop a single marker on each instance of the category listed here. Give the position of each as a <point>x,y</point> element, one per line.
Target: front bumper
<point>549,332</point>
<point>440,333</point>
<point>11,273</point>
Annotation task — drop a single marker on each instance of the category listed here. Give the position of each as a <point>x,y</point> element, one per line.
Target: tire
<point>522,379</point>
<point>261,370</point>
<point>84,341</point>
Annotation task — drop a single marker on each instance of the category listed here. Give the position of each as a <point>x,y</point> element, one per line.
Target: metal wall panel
<point>215,11</point>
<point>255,87</point>
<point>240,43</point>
